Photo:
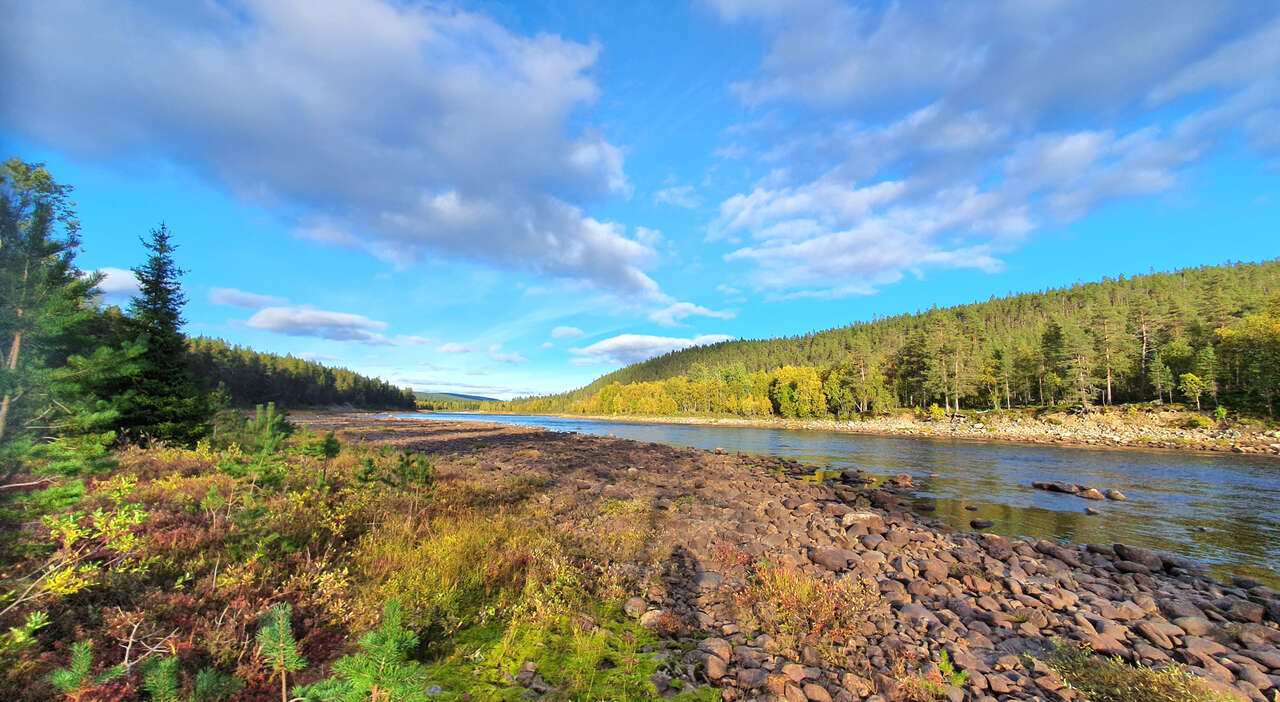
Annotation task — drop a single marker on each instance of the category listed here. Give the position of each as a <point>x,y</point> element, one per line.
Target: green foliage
<point>161,680</point>
<point>45,300</point>
<point>212,685</point>
<point>276,643</point>
<point>1123,340</point>
<point>251,378</point>
<point>1113,680</point>
<point>166,404</point>
<point>268,428</point>
<point>406,470</point>
<point>381,670</point>
<point>1220,413</point>
<point>1192,386</point>
<point>78,678</point>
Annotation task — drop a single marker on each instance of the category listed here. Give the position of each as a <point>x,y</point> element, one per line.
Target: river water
<point>1218,508</point>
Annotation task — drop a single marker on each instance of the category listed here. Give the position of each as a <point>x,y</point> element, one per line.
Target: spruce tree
<point>167,405</point>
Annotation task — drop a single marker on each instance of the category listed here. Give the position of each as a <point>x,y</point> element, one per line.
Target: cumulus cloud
<point>671,315</point>
<point>919,136</point>
<point>239,298</point>
<point>633,348</point>
<point>513,357</point>
<point>410,340</point>
<point>453,347</point>
<point>306,321</point>
<point>402,128</point>
<point>117,282</point>
<point>679,196</point>
<point>566,333</point>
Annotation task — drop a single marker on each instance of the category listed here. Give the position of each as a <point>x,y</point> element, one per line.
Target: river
<point>1217,508</point>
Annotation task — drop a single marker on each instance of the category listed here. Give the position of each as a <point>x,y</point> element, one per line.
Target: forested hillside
<point>1196,335</point>
<point>253,377</point>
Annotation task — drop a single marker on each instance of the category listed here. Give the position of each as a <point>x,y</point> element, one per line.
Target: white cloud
<point>409,340</point>
<point>318,357</point>
<point>405,129</point>
<point>306,321</point>
<point>922,136</point>
<point>671,315</point>
<point>648,237</point>
<point>566,333</point>
<point>679,196</point>
<point>452,347</point>
<point>497,354</point>
<point>117,282</point>
<point>239,298</point>
<point>633,348</point>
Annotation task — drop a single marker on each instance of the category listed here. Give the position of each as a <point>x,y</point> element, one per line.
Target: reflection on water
<point>1223,509</point>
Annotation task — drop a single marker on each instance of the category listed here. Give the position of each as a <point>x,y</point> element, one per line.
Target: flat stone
<point>752,678</point>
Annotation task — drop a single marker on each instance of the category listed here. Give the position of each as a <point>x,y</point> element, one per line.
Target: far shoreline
<point>1087,432</point>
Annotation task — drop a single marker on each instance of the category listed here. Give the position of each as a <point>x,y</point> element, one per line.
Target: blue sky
<point>511,198</point>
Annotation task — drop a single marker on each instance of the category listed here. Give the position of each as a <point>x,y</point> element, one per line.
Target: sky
<point>506,199</point>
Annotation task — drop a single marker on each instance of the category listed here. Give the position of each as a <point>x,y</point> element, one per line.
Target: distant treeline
<point>1204,335</point>
<point>252,377</point>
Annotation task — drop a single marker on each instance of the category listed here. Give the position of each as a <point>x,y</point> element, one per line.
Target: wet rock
<point>981,523</point>
<point>1055,487</point>
<point>1089,493</point>
<point>1091,511</point>
<point>1114,494</point>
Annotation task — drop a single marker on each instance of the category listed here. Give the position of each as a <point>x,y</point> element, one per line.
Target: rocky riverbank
<point>768,587</point>
<point>1158,429</point>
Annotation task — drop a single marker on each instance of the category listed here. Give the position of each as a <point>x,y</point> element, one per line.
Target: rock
<point>872,522</point>
<point>1091,510</point>
<point>1245,611</point>
<point>659,620</point>
<point>834,559</point>
<point>816,693</point>
<point>1139,555</point>
<point>752,678</point>
<point>717,647</point>
<point>716,667</point>
<point>933,570</point>
<point>1114,494</point>
<point>707,580</point>
<point>635,606</point>
<point>1089,493</point>
<point>981,523</point>
<point>1055,487</point>
<point>1195,626</point>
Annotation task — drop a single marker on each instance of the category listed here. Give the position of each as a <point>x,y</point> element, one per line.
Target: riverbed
<point>1220,509</point>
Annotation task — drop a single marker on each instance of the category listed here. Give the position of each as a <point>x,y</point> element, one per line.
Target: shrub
<point>1113,680</point>
<point>800,609</point>
<point>1196,421</point>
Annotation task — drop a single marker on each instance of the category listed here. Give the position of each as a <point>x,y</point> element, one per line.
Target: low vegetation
<point>284,563</point>
<point>1109,679</point>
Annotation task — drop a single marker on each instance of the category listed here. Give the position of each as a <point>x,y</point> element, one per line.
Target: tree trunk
<point>13,365</point>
